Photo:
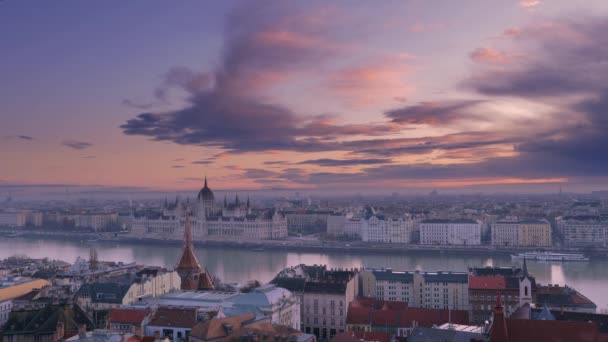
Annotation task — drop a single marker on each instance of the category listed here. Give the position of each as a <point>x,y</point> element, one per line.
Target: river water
<point>232,265</point>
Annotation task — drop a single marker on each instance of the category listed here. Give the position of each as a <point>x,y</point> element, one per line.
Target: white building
<point>431,290</point>
<point>450,232</point>
<point>387,230</point>
<point>152,282</point>
<point>232,221</point>
<point>353,227</point>
<point>95,221</point>
<point>505,233</point>
<point>583,231</point>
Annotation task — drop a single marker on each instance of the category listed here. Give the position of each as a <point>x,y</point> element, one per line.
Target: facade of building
<point>583,231</point>
<point>514,286</point>
<point>152,282</point>
<point>232,221</point>
<point>432,290</point>
<point>531,233</point>
<point>450,232</point>
<point>95,221</point>
<point>335,224</point>
<point>382,229</point>
<point>505,233</point>
<point>324,295</point>
<point>307,221</point>
<point>353,227</point>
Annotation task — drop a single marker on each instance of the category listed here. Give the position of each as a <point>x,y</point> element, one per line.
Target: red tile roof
<point>169,317</point>
<point>127,316</point>
<point>358,315</point>
<point>496,282</point>
<point>522,330</point>
<point>397,314</point>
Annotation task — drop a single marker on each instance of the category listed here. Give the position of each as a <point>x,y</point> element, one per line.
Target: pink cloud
<point>365,85</point>
<point>490,55</point>
<point>529,3</point>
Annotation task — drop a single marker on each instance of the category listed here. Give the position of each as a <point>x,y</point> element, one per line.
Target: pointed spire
<point>525,268</point>
<point>236,200</point>
<point>247,201</point>
<point>205,182</point>
<point>499,331</point>
<point>188,243</point>
<point>225,202</point>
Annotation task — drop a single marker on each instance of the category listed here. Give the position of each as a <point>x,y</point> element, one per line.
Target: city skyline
<point>146,96</point>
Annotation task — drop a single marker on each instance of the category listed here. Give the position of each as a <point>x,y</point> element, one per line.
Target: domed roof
<point>205,194</point>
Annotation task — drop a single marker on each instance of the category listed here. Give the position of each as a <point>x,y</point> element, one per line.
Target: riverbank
<point>303,245</point>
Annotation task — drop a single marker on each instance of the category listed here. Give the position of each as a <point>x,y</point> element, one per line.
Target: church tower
<point>525,286</point>
<point>193,276</point>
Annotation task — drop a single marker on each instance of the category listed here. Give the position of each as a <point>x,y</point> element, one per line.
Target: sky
<point>327,95</point>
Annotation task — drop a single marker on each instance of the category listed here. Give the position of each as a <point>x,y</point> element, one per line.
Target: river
<point>233,265</point>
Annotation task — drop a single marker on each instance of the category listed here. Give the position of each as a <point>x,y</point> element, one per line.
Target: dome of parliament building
<point>205,194</point>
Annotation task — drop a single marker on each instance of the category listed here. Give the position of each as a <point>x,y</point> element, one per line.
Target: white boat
<point>550,256</point>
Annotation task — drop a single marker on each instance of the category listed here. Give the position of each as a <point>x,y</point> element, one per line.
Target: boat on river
<point>550,256</point>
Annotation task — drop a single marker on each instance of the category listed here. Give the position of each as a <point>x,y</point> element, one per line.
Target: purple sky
<point>304,94</point>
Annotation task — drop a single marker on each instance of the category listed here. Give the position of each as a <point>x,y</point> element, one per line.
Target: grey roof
<point>390,275</point>
<point>448,277</point>
<point>444,335</point>
<point>450,221</point>
<point>104,292</point>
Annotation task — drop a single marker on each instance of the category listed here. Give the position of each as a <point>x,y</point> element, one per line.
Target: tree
<point>252,284</point>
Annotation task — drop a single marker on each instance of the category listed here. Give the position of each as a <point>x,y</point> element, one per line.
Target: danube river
<point>233,265</point>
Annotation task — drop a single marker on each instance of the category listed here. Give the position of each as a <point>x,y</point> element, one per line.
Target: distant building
<point>380,228</point>
<point>324,295</point>
<point>234,221</point>
<point>531,233</point>
<point>450,232</point>
<point>335,224</point>
<point>433,290</point>
<point>12,219</point>
<point>307,221</point>
<point>583,231</point>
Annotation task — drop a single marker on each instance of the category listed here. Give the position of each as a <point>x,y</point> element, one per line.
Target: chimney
<point>82,331</point>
